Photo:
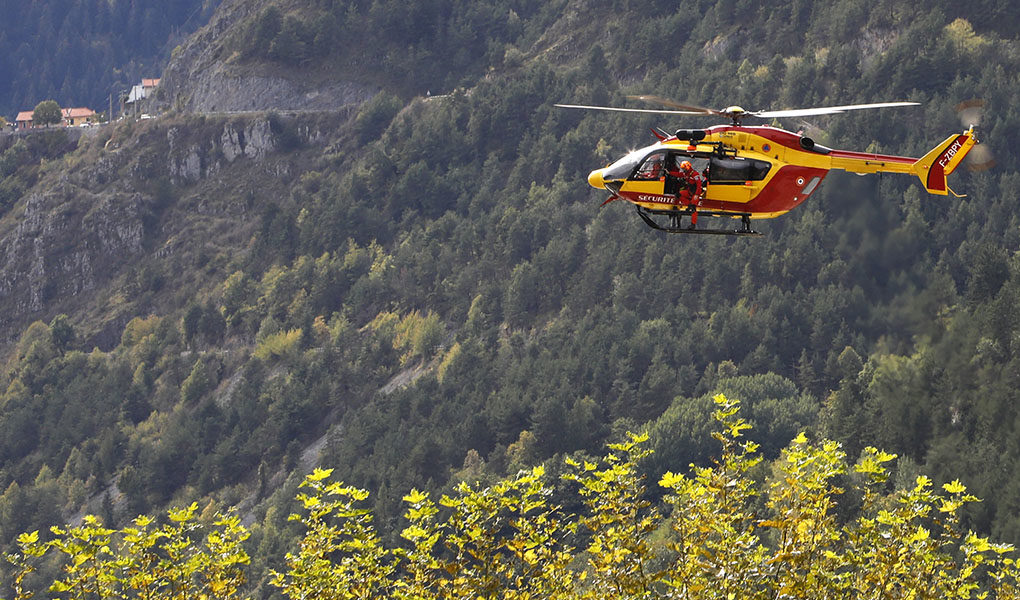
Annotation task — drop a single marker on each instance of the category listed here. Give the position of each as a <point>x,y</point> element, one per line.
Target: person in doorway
<point>690,184</point>
<point>689,187</point>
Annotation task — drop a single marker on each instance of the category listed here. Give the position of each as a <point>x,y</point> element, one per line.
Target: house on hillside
<point>72,117</point>
<point>24,120</point>
<point>136,100</point>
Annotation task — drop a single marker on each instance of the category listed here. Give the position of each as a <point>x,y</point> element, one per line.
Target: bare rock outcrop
<point>200,79</point>
<point>66,242</point>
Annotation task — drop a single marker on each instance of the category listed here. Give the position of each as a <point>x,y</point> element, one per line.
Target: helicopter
<point>746,172</point>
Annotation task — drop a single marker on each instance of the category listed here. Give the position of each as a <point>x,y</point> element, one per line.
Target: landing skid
<point>672,221</point>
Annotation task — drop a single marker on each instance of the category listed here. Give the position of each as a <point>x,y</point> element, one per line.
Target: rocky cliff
<point>129,206</point>
<point>137,204</point>
<point>66,240</point>
<point>203,77</point>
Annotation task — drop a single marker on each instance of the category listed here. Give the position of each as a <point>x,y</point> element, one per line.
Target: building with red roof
<point>72,117</point>
<point>24,119</point>
<point>136,99</point>
<point>77,116</point>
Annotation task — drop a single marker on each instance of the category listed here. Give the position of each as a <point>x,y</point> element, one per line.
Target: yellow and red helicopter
<point>748,172</point>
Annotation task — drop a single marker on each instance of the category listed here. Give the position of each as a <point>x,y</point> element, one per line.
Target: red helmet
<point>686,165</point>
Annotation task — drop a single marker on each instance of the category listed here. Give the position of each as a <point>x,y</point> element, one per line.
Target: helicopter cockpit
<point>653,167</point>
<point>652,163</point>
<point>656,162</point>
<point>624,167</point>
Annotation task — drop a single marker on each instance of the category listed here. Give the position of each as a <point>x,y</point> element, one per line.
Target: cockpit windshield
<point>622,168</point>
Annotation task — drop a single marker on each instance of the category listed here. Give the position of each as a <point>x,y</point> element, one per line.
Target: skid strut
<point>672,221</point>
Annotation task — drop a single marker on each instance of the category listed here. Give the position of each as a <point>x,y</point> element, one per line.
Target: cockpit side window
<point>724,170</point>
<point>652,168</point>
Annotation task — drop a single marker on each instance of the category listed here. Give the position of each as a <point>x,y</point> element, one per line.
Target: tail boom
<point>931,169</point>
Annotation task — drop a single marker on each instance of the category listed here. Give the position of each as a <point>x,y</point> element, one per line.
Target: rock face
<point>254,141</point>
<point>220,89</point>
<point>190,160</point>
<point>147,194</point>
<point>64,242</point>
<point>198,79</point>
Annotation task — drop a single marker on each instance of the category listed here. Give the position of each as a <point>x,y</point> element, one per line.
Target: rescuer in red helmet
<point>689,184</point>
<point>689,188</point>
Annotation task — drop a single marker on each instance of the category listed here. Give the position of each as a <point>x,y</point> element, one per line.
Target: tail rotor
<point>971,112</point>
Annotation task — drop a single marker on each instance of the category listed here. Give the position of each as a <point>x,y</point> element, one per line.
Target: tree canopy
<point>47,113</point>
<point>729,529</point>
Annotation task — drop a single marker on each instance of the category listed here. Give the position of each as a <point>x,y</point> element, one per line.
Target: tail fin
<point>933,168</point>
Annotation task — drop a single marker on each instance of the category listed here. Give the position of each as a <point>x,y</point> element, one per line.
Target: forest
<point>716,535</point>
<point>450,242</point>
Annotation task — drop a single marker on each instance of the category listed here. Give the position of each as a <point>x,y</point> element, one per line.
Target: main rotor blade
<point>826,110</point>
<point>637,110</point>
<point>697,110</point>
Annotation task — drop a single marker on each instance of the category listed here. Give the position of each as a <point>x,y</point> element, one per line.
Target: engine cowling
<point>690,135</point>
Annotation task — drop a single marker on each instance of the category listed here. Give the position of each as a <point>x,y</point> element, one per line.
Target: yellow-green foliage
<point>414,335</point>
<point>196,383</point>
<point>962,36</point>
<point>385,323</point>
<point>381,261</point>
<point>137,328</point>
<point>444,365</point>
<point>178,561</point>
<point>282,344</point>
<point>721,532</point>
<point>418,336</point>
<point>340,555</point>
<point>35,346</point>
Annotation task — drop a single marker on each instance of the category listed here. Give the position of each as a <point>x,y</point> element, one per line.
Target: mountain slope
<point>254,282</point>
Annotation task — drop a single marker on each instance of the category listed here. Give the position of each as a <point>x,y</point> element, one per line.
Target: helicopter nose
<point>596,180</point>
